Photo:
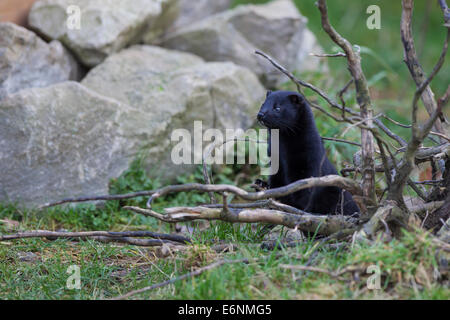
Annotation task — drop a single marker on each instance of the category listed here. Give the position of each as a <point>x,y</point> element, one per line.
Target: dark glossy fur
<point>302,155</point>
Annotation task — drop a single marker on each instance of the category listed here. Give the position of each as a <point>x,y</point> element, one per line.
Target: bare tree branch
<point>328,55</point>
<point>446,12</point>
<point>411,60</point>
<point>273,204</point>
<point>341,95</point>
<point>300,83</point>
<point>99,198</point>
<point>423,90</point>
<point>265,209</point>
<point>207,152</point>
<point>182,277</point>
<point>325,181</point>
<point>363,99</point>
<point>442,102</point>
<point>334,274</point>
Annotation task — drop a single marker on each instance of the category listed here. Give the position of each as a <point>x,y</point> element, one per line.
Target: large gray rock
<point>157,27</point>
<point>70,139</point>
<point>107,26</point>
<point>26,61</point>
<point>177,89</point>
<point>65,140</point>
<point>192,11</point>
<point>276,28</point>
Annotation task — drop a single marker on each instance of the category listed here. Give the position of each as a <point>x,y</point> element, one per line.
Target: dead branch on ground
<point>182,277</point>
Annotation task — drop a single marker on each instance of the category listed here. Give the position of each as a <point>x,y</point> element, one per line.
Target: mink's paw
<point>260,185</point>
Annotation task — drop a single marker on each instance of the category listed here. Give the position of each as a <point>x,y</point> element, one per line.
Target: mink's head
<point>284,110</point>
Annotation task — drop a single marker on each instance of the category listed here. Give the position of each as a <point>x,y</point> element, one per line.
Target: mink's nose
<point>260,116</point>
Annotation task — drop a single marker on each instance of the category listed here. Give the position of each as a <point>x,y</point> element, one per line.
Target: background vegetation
<point>36,268</point>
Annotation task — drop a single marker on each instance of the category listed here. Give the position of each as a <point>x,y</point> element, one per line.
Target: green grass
<point>408,266</point>
<point>107,271</point>
<point>389,80</point>
<point>384,48</point>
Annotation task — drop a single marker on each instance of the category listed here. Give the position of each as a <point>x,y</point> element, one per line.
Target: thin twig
<point>341,95</point>
<point>330,101</point>
<point>257,204</point>
<point>207,152</point>
<point>419,133</point>
<point>342,141</point>
<point>363,100</point>
<point>305,84</point>
<point>284,207</point>
<point>325,181</point>
<point>445,11</point>
<point>322,224</point>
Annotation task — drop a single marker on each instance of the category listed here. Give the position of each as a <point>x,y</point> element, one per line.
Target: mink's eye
<point>276,108</point>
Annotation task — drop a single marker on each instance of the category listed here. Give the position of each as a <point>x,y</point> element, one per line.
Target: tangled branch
<point>363,100</point>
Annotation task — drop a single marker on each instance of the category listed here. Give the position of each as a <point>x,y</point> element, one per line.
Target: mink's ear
<point>268,94</point>
<point>295,99</point>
